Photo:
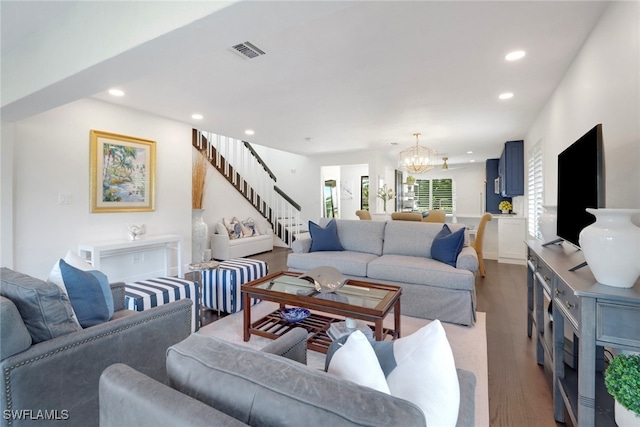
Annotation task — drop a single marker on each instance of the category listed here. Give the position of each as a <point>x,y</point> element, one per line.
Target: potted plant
<point>386,194</point>
<point>622,379</point>
<point>199,228</point>
<point>411,180</point>
<point>505,206</point>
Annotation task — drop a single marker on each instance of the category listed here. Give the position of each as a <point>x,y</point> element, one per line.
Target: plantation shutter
<point>435,194</point>
<point>422,194</point>
<point>442,190</point>
<point>535,189</point>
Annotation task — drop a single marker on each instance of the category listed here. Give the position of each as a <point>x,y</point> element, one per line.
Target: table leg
<point>247,315</point>
<point>379,330</point>
<point>396,318</point>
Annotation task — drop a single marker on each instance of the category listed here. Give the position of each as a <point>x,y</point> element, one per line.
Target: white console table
<point>93,252</point>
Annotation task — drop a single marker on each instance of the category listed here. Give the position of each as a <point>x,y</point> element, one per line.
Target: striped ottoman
<point>221,287</point>
<point>143,295</point>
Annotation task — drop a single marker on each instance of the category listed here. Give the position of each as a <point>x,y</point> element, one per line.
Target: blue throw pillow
<point>324,239</point>
<point>447,245</point>
<point>90,294</point>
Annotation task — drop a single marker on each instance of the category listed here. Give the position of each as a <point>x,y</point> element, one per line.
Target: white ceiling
<point>354,76</point>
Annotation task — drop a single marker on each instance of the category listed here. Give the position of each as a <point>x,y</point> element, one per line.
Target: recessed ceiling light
<point>196,116</point>
<point>469,152</point>
<point>472,161</point>
<point>506,95</point>
<point>116,92</point>
<point>515,55</point>
<point>249,132</point>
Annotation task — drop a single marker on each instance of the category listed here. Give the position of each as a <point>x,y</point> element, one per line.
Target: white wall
<point>601,86</point>
<point>469,180</point>
<point>469,186</point>
<point>223,201</point>
<point>51,156</point>
<point>350,176</point>
<point>6,195</point>
<point>299,177</point>
<point>84,36</point>
<point>295,175</point>
<point>377,164</point>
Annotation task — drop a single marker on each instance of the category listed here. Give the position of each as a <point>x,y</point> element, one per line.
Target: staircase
<point>238,162</point>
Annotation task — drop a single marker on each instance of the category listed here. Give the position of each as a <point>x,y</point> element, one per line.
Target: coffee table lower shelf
<point>273,326</point>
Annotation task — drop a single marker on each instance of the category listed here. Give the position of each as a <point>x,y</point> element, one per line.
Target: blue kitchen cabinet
<point>492,190</point>
<point>511,169</point>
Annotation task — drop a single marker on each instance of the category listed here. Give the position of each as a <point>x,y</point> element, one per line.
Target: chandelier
<point>417,159</point>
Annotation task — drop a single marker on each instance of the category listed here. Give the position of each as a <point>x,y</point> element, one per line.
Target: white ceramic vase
<point>624,417</point>
<point>611,247</point>
<point>548,223</point>
<point>199,235</point>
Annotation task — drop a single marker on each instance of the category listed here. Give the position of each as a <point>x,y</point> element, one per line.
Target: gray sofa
<point>58,378</point>
<point>399,253</point>
<point>216,383</point>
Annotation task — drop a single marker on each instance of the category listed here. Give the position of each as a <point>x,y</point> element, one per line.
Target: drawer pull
<point>559,292</point>
<point>569,305</point>
<point>546,279</point>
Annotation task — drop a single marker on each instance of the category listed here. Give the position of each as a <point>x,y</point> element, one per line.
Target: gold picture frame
<point>122,170</point>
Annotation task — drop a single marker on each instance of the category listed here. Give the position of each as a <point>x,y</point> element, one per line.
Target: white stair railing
<point>246,171</point>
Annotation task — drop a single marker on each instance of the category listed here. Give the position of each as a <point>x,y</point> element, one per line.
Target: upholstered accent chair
<point>435,215</point>
<point>365,215</point>
<point>61,374</point>
<point>477,244</point>
<point>406,216</point>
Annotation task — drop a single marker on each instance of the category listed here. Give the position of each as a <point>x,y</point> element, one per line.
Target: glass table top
<point>360,296</point>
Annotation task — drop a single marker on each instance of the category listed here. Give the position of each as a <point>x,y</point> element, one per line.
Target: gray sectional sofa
<point>216,383</point>
<point>399,253</point>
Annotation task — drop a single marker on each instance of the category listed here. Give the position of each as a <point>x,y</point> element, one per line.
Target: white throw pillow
<point>426,374</point>
<point>221,229</point>
<point>357,362</point>
<point>55,276</point>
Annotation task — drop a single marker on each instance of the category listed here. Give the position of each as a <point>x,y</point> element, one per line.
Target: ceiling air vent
<point>247,50</point>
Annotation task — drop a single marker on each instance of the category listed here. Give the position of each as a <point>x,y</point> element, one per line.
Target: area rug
<point>469,345</point>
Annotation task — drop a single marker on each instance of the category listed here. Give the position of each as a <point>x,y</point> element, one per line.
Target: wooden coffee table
<point>370,302</point>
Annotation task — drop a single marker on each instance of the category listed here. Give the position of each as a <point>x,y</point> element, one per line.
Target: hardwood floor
<point>520,392</point>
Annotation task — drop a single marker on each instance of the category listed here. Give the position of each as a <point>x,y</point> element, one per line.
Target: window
<point>435,194</point>
<point>534,189</point>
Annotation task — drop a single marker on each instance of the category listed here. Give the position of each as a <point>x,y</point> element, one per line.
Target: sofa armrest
<point>467,259</point>
<point>118,291</point>
<point>220,246</point>
<point>301,246</point>
<point>292,345</point>
<point>128,397</point>
<point>467,411</point>
<point>63,373</point>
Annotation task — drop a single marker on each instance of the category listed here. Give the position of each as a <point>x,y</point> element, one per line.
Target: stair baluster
<point>246,171</point>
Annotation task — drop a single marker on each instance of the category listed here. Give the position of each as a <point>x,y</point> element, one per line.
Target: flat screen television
<point>580,184</point>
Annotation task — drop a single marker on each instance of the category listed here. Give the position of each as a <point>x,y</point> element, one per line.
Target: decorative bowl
<point>325,279</point>
<point>294,314</point>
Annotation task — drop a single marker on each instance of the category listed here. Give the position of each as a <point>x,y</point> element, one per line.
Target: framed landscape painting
<point>122,173</point>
